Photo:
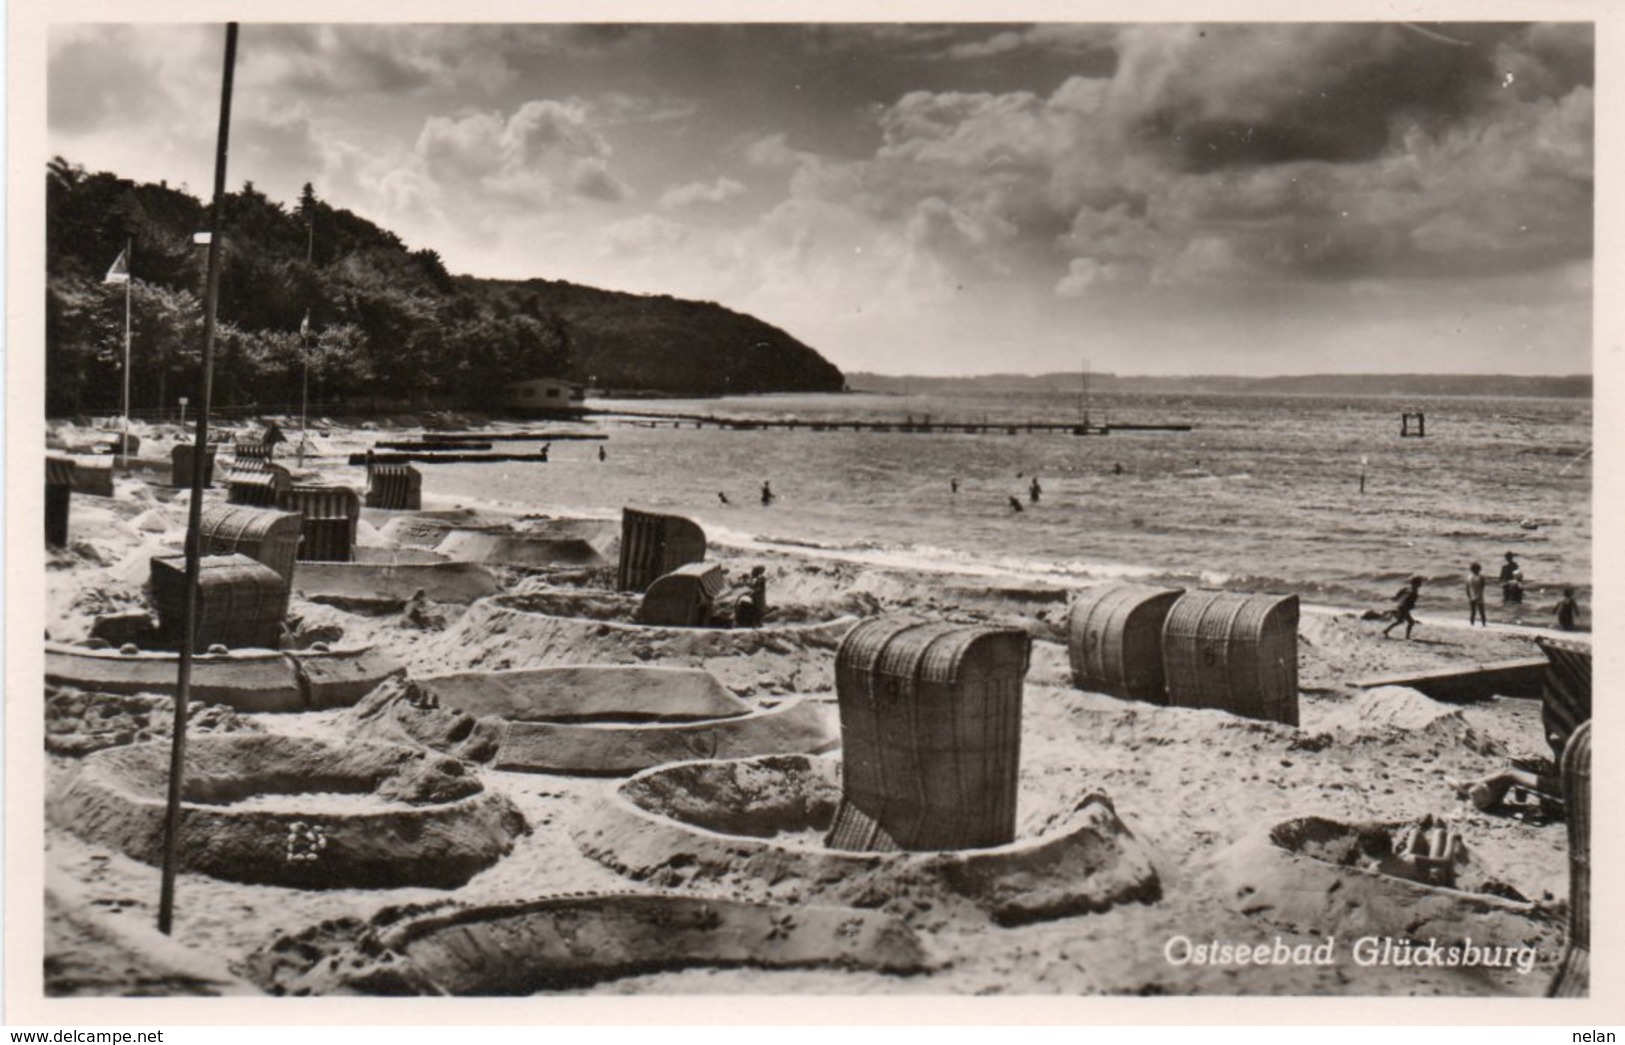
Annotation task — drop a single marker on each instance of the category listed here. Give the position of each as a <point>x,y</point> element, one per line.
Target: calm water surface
<point>1263,494</point>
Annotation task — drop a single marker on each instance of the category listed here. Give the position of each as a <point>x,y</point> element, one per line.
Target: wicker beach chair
<point>1565,691</point>
<point>653,545</point>
<point>328,515</point>
<point>1235,652</point>
<point>930,735</point>
<point>684,598</point>
<point>58,499</point>
<point>1573,979</point>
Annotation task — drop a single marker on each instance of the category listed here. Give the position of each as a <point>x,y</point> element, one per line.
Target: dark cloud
<point>1227,96</point>
<point>332,60</point>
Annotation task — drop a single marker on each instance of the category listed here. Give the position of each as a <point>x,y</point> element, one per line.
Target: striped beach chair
<point>258,483</point>
<point>653,545</point>
<point>1565,691</point>
<point>251,450</point>
<point>328,521</point>
<point>398,487</point>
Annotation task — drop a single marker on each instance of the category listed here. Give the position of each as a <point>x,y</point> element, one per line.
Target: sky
<point>933,198</point>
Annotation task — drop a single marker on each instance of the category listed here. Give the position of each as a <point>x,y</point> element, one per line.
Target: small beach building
<point>542,394</point>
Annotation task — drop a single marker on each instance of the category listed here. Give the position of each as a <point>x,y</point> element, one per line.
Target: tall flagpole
<point>304,337</point>
<point>194,518</point>
<point>129,279</point>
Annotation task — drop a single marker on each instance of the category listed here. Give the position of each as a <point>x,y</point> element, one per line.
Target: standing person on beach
<point>1475,595</point>
<point>273,435</point>
<point>1035,491</point>
<point>1568,611</point>
<point>953,484</point>
<point>1404,602</point>
<point>767,493</point>
<point>601,455</point>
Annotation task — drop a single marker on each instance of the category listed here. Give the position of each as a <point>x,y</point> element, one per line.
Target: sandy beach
<point>1191,786</point>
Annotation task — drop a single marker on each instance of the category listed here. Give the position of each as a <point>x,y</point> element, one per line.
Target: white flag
<point>120,272</point>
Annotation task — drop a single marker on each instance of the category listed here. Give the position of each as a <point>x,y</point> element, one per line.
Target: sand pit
<point>588,693</point>
<point>754,827</point>
<point>495,634</point>
<point>539,546</point>
<point>391,584</point>
<point>245,680</point>
<point>1331,877</point>
<point>566,942</point>
<point>426,529</point>
<point>295,812</point>
<point>589,720</point>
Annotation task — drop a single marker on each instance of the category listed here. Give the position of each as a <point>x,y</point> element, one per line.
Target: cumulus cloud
<point>1237,154</point>
<point>543,155</point>
<point>701,193</point>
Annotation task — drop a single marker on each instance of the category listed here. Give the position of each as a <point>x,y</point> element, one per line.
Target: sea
<point>1262,494</point>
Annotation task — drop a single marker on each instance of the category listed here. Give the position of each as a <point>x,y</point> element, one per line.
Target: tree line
<point>319,287</point>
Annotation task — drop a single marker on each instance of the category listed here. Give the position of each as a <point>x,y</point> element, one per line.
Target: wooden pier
<point>510,437</point>
<point>909,426</point>
<point>439,457</point>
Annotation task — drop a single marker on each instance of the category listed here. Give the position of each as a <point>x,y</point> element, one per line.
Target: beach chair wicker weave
<point>931,735</point>
<point>263,534</point>
<point>683,598</point>
<point>257,483</point>
<point>1114,640</point>
<point>1573,979</point>
<point>241,603</point>
<point>653,545</point>
<point>1235,652</point>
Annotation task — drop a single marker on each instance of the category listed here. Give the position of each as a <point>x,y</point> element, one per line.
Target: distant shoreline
<point>1569,386</point>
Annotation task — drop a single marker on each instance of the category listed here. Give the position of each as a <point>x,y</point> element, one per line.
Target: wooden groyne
<point>911,425</point>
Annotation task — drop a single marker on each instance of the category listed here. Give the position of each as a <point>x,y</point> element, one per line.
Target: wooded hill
<point>388,326</point>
